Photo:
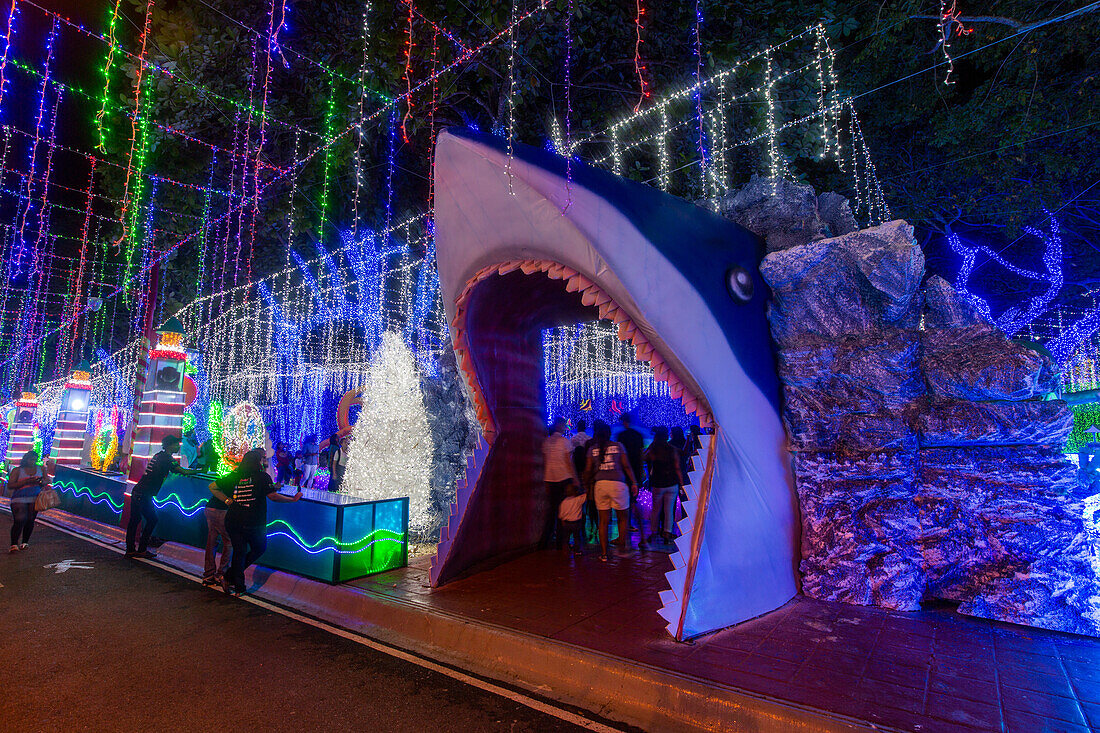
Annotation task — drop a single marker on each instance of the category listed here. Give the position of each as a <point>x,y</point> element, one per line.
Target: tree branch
<point>1016,25</point>
<point>975,19</point>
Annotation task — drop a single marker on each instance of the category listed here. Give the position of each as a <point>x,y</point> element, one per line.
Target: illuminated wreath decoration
<point>242,430</point>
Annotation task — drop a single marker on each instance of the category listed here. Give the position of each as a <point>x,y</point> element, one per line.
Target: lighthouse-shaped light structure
<point>160,411</point>
<point>22,428</point>
<point>72,419</point>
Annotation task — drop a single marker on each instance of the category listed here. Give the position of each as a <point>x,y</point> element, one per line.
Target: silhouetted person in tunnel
<point>558,473</point>
<point>634,444</point>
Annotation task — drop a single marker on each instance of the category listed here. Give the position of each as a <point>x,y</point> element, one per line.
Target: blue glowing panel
<point>301,539</point>
<point>90,494</point>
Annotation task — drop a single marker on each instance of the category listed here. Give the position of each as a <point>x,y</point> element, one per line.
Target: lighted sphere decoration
<point>242,430</point>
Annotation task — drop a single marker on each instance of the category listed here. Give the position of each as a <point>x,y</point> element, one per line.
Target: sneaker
<point>147,554</point>
<point>23,546</point>
<point>210,580</point>
<point>603,558</point>
<point>13,548</point>
<point>129,553</point>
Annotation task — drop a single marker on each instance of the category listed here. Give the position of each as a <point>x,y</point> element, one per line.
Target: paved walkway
<point>929,671</point>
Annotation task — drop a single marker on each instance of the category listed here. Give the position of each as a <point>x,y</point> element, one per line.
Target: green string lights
<point>330,132</point>
<point>102,128</point>
<point>378,535</point>
<point>1085,416</point>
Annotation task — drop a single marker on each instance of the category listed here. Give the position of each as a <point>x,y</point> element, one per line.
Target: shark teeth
<point>679,578</point>
<point>463,491</point>
<point>592,295</point>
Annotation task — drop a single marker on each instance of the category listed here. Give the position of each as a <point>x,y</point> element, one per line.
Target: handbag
<point>47,498</point>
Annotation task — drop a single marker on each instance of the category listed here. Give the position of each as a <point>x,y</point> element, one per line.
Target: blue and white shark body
<point>520,248</point>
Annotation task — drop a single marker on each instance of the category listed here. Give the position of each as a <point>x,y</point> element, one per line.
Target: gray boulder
<point>858,526</point>
<point>978,364</point>
<point>1002,530</point>
<point>785,213</point>
<point>853,284</point>
<point>883,363</point>
<point>962,423</point>
<point>836,212</point>
<point>823,420</point>
<point>944,307</point>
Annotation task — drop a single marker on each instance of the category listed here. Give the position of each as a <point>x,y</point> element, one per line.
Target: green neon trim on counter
<point>358,544</point>
<point>95,498</point>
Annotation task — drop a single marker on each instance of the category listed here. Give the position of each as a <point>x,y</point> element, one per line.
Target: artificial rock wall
<point>927,463</point>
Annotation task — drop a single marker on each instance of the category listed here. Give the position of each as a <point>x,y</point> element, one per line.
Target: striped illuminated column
<point>22,429</point>
<point>72,419</point>
<point>160,412</point>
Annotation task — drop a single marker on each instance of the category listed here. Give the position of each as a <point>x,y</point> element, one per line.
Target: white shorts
<point>612,495</point>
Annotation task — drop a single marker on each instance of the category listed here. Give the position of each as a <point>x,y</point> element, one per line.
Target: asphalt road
<point>111,644</point>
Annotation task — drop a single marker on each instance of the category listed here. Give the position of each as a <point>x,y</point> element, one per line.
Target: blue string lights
<point>589,373</point>
<point>1064,342</point>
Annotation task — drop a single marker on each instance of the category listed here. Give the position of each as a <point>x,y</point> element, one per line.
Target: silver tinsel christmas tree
<point>390,452</point>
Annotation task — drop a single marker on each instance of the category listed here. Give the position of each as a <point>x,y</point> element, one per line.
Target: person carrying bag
<point>47,498</point>
<point>25,482</point>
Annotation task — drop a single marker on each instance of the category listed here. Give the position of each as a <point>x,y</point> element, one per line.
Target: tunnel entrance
<point>504,312</point>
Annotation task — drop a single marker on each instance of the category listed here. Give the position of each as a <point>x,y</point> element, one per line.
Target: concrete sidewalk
<point>587,634</point>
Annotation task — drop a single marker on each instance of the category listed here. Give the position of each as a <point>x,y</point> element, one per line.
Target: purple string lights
<point>698,46</point>
<point>568,107</point>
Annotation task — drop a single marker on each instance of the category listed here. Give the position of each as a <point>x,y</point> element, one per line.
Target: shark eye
<point>739,284</point>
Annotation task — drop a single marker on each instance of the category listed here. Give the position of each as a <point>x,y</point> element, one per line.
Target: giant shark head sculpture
<point>520,248</point>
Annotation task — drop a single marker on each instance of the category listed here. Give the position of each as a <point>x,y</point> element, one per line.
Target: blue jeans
<point>22,516</point>
<point>249,542</point>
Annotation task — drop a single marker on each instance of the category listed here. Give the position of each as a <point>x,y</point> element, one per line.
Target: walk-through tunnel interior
<point>505,317</point>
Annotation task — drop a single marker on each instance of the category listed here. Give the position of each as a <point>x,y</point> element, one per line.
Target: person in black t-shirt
<point>665,480</point>
<point>245,492</point>
<point>145,490</point>
<point>634,444</point>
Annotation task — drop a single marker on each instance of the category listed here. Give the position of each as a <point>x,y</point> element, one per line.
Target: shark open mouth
<point>521,248</point>
<point>540,294</point>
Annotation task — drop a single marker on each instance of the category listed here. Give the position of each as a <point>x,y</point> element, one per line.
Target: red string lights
<point>407,76</point>
<point>143,219</point>
<point>8,30</point>
<point>950,24</point>
<point>639,64</point>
